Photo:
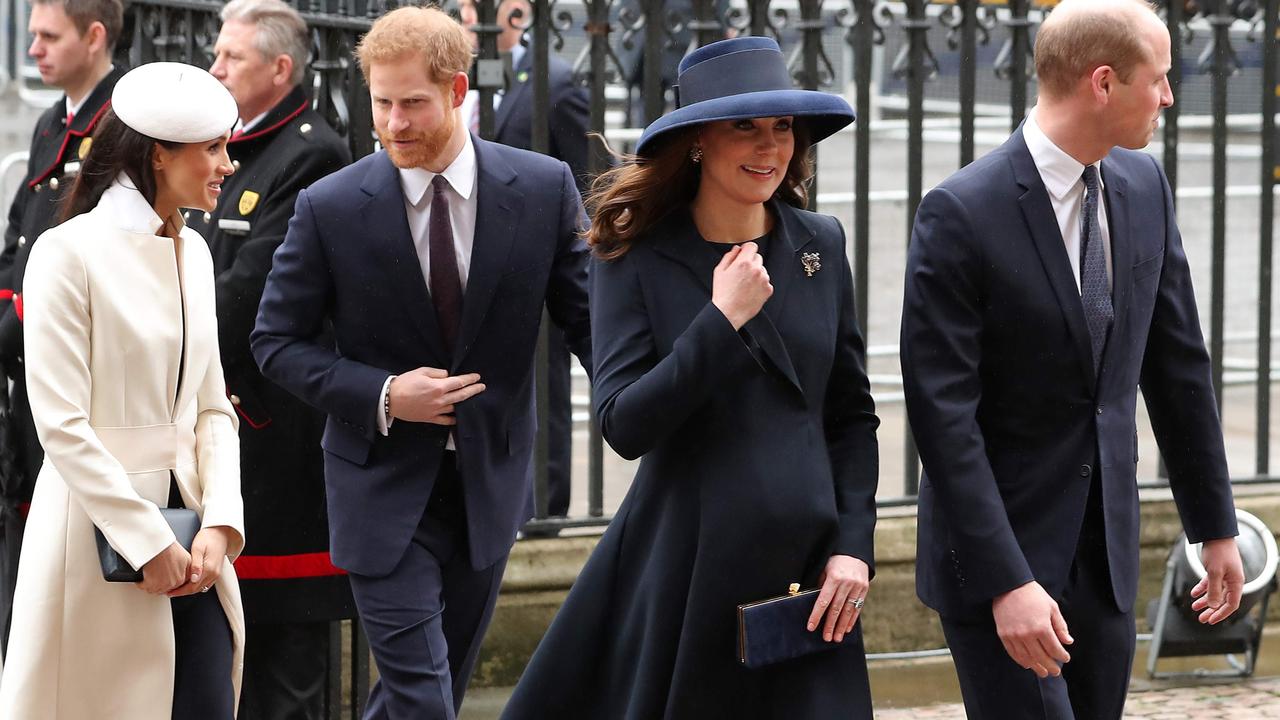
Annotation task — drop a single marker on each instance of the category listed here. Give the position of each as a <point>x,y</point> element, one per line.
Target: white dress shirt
<point>416,185</point>
<point>1063,178</point>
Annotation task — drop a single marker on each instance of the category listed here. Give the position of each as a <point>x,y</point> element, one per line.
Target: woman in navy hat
<point>727,354</point>
<point>129,402</point>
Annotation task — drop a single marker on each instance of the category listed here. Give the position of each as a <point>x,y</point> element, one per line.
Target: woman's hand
<point>208,551</point>
<point>844,581</point>
<point>740,285</point>
<point>165,571</point>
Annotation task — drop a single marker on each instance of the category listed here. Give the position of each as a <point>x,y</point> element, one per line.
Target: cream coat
<point>104,339</point>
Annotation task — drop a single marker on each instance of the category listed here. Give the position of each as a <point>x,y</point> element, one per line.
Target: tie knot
<point>438,184</point>
<point>1090,178</point>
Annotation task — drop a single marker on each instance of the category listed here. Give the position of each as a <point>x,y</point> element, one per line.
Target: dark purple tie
<point>446,287</point>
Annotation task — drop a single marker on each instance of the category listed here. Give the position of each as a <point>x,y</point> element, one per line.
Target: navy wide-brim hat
<point>743,78</point>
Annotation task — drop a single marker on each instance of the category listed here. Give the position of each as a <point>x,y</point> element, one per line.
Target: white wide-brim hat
<point>174,102</point>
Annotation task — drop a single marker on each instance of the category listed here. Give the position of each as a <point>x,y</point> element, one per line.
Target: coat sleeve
<point>291,320</point>
<point>10,327</point>
<point>218,440</point>
<point>941,352</point>
<point>59,386</point>
<point>641,397</point>
<point>849,423</point>
<point>567,288</point>
<point>570,123</point>
<point>1178,390</point>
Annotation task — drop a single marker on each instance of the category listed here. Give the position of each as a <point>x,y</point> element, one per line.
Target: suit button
<point>1085,471</point>
<point>235,399</point>
<point>235,164</point>
<point>22,240</point>
<point>53,183</point>
<point>207,217</point>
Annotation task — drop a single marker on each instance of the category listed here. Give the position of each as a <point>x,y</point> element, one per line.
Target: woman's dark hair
<point>627,200</point>
<point>115,148</point>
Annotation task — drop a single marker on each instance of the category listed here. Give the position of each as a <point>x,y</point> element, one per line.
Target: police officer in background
<point>291,590</point>
<point>72,43</point>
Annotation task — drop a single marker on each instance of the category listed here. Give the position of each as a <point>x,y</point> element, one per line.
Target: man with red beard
<point>431,260</point>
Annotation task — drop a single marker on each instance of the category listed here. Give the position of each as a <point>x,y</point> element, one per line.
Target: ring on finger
<point>857,603</point>
<point>205,588</point>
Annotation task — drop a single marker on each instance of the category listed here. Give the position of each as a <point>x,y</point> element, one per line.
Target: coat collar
<point>677,239</point>
<point>516,88</point>
<point>131,211</point>
<point>293,105</point>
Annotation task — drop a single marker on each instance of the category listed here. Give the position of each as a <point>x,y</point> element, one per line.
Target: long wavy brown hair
<point>632,197</point>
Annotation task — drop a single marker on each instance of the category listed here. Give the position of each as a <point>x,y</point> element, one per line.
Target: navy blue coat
<point>755,472</point>
<point>1001,392</point>
<point>349,259</point>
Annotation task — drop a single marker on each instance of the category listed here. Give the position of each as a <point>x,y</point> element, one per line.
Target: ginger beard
<point>422,147</point>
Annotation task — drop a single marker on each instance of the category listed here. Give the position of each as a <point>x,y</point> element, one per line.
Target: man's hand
<point>1218,594</point>
<point>1032,629</point>
<point>430,394</point>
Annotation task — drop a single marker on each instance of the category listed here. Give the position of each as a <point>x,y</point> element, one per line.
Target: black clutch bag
<point>184,523</point>
<point>773,630</point>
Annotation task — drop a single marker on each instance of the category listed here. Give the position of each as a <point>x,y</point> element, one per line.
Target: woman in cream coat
<point>128,397</point>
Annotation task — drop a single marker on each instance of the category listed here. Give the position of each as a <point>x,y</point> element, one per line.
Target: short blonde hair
<point>426,32</point>
<point>1073,45</point>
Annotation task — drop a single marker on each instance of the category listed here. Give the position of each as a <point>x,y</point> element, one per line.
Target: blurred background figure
<point>280,145</point>
<point>568,122</point>
<point>72,43</point>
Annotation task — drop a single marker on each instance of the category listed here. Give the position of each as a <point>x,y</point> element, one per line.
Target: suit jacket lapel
<point>1121,252</point>
<point>1038,213</point>
<point>384,215</point>
<point>498,208</point>
<point>511,97</point>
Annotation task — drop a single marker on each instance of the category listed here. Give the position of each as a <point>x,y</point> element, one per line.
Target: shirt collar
<point>246,127</point>
<point>461,175</point>
<point>1059,171</point>
<point>132,211</point>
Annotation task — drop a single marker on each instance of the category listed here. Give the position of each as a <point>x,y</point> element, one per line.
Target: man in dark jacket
<point>72,42</point>
<point>291,590</point>
<point>568,122</point>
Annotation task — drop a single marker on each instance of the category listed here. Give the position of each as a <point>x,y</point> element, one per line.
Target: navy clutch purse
<point>773,630</point>
<point>184,523</point>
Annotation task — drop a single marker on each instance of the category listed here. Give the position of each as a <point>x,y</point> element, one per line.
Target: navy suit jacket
<point>1009,415</point>
<point>349,259</point>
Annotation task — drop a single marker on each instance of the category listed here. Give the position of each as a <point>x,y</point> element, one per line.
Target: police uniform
<point>57,148</point>
<point>290,588</point>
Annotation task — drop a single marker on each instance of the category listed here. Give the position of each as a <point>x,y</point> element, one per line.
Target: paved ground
<point>1254,700</point>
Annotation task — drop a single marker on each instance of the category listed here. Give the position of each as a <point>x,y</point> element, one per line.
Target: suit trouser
<point>1093,684</point>
<point>202,669</point>
<point>285,669</point>
<point>425,620</point>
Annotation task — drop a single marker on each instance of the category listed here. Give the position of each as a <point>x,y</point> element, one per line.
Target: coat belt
<point>147,448</point>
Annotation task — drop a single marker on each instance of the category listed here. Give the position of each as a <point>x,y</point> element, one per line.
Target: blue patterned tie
<point>1095,295</point>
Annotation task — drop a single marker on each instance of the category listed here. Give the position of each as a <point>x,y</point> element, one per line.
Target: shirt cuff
<point>384,422</point>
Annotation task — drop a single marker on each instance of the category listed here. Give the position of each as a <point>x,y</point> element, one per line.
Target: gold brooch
<point>812,263</point>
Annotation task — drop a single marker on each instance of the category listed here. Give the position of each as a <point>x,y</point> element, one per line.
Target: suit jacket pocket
<point>344,442</point>
<point>1150,266</point>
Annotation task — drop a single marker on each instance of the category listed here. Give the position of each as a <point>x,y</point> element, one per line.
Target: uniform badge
<point>248,201</point>
<point>85,144</point>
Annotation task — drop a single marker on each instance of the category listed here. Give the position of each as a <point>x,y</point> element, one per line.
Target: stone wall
<point>541,571</point>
